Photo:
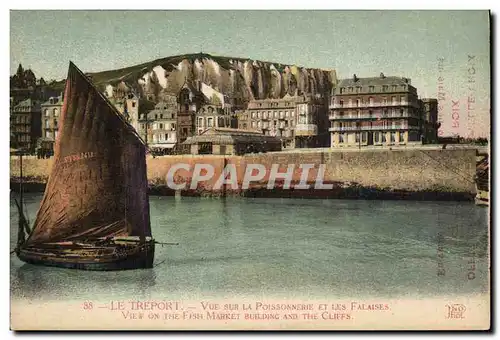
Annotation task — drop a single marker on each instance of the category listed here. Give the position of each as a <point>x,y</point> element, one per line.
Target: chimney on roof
<point>355,77</point>
<point>382,75</point>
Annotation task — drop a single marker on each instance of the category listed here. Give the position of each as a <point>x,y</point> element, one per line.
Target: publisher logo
<point>455,311</point>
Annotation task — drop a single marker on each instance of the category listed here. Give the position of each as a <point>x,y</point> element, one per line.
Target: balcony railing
<point>336,116</point>
<point>371,128</point>
<point>373,104</point>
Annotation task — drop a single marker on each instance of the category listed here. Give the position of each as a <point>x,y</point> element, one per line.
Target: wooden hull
<point>112,256</point>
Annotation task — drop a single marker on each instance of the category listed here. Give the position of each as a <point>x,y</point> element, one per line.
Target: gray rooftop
<point>55,101</point>
<point>368,85</point>
<point>228,136</point>
<point>373,81</point>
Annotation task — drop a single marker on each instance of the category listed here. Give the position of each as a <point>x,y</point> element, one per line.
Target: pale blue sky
<point>402,43</point>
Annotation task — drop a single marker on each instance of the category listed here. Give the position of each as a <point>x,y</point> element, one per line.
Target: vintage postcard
<point>249,170</point>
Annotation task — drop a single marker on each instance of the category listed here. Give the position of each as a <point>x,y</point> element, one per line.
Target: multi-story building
<point>274,117</point>
<point>51,112</point>
<point>312,122</point>
<point>430,117</point>
<point>210,115</point>
<point>294,119</point>
<point>158,127</point>
<point>25,124</point>
<point>132,107</point>
<point>189,100</point>
<point>375,111</point>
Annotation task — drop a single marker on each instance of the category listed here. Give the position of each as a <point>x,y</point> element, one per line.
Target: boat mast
<point>21,237</point>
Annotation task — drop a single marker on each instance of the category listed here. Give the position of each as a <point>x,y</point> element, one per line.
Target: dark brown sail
<point>98,185</point>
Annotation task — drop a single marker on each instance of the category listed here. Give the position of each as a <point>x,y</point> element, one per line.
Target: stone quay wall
<point>412,170</point>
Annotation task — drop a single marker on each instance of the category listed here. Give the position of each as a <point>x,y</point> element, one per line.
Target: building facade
<point>25,125</point>
<point>429,106</point>
<point>128,106</point>
<point>51,112</point>
<point>189,100</point>
<point>274,117</point>
<point>378,111</point>
<point>209,116</point>
<point>312,122</point>
<point>297,120</point>
<point>158,128</point>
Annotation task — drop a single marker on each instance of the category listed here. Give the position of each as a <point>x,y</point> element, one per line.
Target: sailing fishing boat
<point>94,214</point>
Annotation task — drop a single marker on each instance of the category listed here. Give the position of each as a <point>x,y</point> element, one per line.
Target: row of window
<point>278,133</point>
<point>23,138</point>
<point>382,124</point>
<point>384,112</point>
<point>209,121</point>
<point>372,88</point>
<point>22,108</point>
<point>273,114</point>
<point>307,120</point>
<point>281,125</point>
<point>20,119</point>
<point>48,134</point>
<point>55,112</point>
<point>276,104</point>
<point>25,128</point>
<point>208,110</point>
<point>47,124</point>
<point>371,101</point>
<point>162,137</point>
<point>167,116</point>
<point>160,126</point>
<point>378,137</point>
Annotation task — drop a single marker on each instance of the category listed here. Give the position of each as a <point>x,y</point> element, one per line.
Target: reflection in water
<point>286,248</point>
<point>32,283</point>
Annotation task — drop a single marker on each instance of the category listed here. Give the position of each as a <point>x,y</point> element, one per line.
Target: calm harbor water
<point>285,248</point>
